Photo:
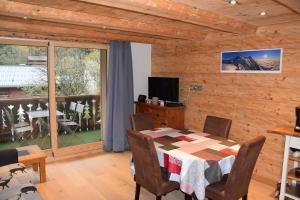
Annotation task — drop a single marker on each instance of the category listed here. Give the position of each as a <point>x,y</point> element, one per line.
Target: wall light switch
<point>196,87</point>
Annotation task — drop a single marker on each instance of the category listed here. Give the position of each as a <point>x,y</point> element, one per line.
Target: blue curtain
<point>119,96</point>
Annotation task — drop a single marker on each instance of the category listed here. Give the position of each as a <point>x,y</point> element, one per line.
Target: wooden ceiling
<point>278,11</point>
<point>149,21</point>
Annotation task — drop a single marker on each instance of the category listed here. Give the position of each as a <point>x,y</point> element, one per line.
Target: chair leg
<point>187,197</point>
<point>245,197</point>
<point>194,196</point>
<point>158,197</point>
<point>137,191</point>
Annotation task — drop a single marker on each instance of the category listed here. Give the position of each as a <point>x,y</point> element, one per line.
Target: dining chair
<point>147,169</point>
<point>217,126</point>
<point>235,184</point>
<point>141,121</point>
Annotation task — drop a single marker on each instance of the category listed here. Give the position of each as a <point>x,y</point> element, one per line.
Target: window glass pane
<point>78,95</point>
<point>24,115</point>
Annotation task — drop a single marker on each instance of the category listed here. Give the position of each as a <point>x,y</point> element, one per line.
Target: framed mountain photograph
<point>252,61</point>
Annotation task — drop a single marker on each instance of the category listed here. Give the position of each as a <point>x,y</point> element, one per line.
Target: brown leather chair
<point>146,164</point>
<point>141,121</point>
<point>217,126</point>
<point>235,185</point>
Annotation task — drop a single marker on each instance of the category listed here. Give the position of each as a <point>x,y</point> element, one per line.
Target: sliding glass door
<point>52,94</point>
<point>78,89</point>
<point>24,115</point>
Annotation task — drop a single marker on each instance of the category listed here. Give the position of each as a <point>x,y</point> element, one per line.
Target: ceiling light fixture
<point>263,13</point>
<point>233,2</point>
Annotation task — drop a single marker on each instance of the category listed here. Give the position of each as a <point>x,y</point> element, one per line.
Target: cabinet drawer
<point>160,123</point>
<point>159,114</point>
<point>141,109</point>
<point>163,116</point>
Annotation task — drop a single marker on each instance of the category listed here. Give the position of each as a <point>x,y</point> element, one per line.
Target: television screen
<point>164,88</point>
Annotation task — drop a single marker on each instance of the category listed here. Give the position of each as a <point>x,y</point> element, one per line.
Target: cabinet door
<point>140,108</point>
<point>160,117</point>
<point>175,119</point>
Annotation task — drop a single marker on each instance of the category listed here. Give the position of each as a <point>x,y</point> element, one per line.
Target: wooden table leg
<point>42,170</point>
<point>35,167</point>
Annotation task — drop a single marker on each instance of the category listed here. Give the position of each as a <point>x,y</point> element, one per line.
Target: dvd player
<point>173,104</point>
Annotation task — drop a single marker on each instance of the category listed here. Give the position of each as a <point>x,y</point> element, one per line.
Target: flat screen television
<point>165,88</point>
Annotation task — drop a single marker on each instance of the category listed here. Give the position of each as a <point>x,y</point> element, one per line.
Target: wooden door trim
<point>24,42</point>
<point>79,45</point>
<point>65,151</point>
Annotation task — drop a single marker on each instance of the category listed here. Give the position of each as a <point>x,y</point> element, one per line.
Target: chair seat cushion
<point>69,123</point>
<point>63,120</point>
<point>21,124</point>
<point>23,129</point>
<point>216,190</point>
<point>168,186</point>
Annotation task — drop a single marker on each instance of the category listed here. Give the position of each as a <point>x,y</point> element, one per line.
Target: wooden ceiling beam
<point>79,27</point>
<point>50,29</point>
<point>17,9</point>
<point>179,11</point>
<point>288,31</point>
<point>284,29</point>
<point>16,34</point>
<point>292,5</point>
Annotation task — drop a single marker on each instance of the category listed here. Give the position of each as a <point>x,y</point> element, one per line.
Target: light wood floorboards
<point>106,176</point>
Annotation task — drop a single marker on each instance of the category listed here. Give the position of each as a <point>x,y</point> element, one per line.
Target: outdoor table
<point>39,114</point>
<point>192,158</point>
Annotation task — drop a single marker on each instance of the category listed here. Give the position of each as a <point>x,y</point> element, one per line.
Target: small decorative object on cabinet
<point>172,117</point>
<point>292,143</point>
<point>142,98</point>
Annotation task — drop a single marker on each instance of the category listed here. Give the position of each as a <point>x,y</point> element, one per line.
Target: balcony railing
<point>13,113</point>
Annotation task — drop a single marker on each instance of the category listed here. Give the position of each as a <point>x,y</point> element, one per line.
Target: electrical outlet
<point>196,87</point>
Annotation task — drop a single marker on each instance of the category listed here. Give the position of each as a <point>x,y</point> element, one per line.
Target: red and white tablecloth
<point>193,158</point>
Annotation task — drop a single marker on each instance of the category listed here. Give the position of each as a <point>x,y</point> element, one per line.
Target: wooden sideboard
<point>164,116</point>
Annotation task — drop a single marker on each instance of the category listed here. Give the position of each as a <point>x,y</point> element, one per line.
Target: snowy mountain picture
<point>252,61</point>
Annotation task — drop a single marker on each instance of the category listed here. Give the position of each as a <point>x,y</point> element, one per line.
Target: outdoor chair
<point>18,129</point>
<point>70,125</point>
<point>72,113</point>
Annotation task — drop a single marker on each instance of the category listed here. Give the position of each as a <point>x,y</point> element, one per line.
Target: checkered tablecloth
<point>192,158</point>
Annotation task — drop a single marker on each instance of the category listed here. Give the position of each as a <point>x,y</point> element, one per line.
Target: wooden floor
<point>107,176</point>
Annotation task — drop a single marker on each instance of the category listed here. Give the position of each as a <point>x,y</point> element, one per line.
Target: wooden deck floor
<point>106,176</point>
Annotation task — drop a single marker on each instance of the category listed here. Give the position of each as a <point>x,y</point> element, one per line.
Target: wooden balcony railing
<point>17,108</point>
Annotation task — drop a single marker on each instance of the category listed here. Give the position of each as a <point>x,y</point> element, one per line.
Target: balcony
<point>25,121</point>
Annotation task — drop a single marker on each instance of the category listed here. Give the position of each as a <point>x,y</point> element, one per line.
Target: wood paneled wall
<point>255,102</point>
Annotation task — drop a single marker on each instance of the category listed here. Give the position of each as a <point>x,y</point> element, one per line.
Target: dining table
<point>192,158</point>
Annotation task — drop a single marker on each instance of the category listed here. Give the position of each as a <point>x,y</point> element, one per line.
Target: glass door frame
<point>52,96</point>
<point>104,49</point>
